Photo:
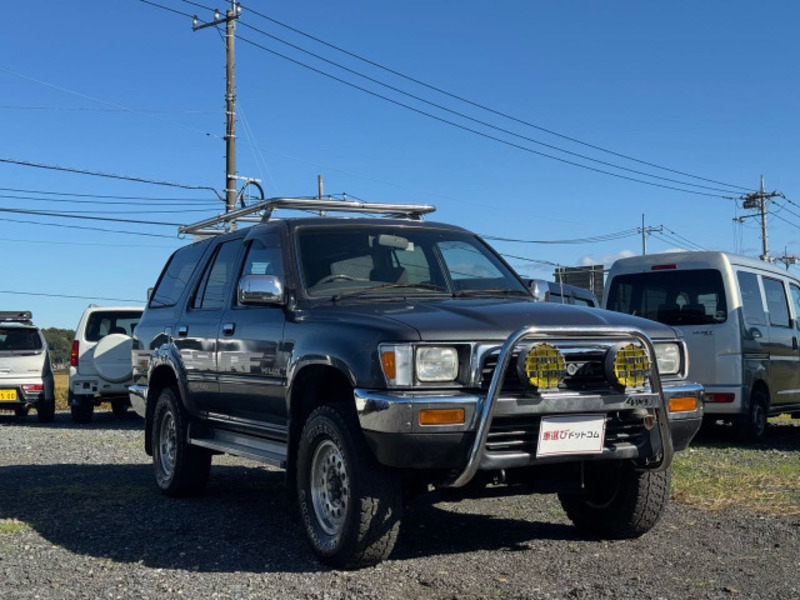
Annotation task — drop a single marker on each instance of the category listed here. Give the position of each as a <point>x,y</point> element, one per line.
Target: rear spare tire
<point>112,357</point>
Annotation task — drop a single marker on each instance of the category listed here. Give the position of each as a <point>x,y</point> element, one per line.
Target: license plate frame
<point>563,435</point>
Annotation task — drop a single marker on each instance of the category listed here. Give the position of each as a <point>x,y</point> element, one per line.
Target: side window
<point>795,299</point>
<point>469,269</point>
<point>776,302</point>
<point>175,276</point>
<point>211,291</point>
<point>264,257</point>
<point>751,298</point>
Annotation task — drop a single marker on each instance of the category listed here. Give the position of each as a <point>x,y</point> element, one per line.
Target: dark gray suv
<point>375,357</point>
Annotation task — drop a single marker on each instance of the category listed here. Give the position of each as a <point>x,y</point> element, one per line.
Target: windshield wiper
<point>388,286</point>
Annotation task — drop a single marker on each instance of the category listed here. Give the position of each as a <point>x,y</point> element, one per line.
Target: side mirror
<point>261,290</point>
<point>539,290</point>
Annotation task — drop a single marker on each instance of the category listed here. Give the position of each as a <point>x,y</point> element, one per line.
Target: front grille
<point>521,434</point>
<point>585,371</point>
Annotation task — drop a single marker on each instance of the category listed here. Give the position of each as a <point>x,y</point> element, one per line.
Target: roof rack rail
<point>224,221</point>
<point>16,316</point>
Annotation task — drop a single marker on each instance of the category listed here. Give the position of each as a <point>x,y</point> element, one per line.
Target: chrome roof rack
<point>225,222</point>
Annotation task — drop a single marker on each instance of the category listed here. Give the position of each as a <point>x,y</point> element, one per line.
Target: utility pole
<point>645,231</point>
<point>787,259</point>
<point>758,200</point>
<point>230,96</point>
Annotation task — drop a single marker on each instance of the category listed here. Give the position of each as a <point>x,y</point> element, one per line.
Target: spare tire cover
<point>112,357</point>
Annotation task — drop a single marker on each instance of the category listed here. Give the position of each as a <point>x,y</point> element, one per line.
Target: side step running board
<point>267,451</point>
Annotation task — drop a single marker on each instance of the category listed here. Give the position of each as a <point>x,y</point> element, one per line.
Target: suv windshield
<point>396,260</point>
<point>19,338</point>
<point>691,297</point>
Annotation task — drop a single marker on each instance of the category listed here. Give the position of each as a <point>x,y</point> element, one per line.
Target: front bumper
<point>501,432</point>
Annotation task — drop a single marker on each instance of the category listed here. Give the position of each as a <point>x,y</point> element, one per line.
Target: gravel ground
<point>80,517</point>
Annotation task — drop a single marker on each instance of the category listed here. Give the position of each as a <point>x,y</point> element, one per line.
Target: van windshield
<point>691,297</point>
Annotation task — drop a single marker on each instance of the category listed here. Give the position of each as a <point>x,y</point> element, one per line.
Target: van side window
<point>776,302</point>
<point>752,306</point>
<point>795,299</point>
<point>210,294</point>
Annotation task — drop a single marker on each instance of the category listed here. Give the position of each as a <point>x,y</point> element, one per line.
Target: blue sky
<point>709,89</point>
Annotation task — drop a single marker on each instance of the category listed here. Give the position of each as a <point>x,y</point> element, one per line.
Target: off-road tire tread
<point>193,464</point>
<point>744,424</point>
<point>378,490</point>
<point>635,511</point>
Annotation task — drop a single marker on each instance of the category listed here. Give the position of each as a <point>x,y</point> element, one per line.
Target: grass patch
<point>9,526</point>
<point>714,476</point>
<point>62,387</point>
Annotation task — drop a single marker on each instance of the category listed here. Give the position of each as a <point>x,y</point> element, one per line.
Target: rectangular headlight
<point>668,357</point>
<point>437,363</point>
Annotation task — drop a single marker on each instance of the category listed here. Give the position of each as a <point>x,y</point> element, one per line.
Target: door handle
<point>183,331</point>
<point>228,328</point>
<point>794,342</point>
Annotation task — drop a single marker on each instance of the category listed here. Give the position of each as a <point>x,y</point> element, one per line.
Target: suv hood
<point>495,319</point>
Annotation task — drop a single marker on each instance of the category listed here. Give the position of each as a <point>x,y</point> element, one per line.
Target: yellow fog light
<point>628,365</point>
<point>542,366</point>
<point>682,403</point>
<point>441,416</point>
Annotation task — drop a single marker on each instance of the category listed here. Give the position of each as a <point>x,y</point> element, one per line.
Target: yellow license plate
<point>8,395</point>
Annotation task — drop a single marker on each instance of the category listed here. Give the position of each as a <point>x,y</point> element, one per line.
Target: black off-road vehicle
<point>374,357</point>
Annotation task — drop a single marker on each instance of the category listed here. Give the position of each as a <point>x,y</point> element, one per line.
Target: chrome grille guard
<point>660,435</point>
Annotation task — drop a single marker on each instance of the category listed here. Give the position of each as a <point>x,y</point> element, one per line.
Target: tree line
<point>60,343</point>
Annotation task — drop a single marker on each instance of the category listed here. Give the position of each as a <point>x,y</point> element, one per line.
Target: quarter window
<point>752,306</point>
<point>776,302</point>
<point>210,294</point>
<point>176,275</point>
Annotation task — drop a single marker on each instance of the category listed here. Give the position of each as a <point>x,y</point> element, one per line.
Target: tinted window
<point>776,302</point>
<point>752,306</point>
<point>176,275</point>
<point>212,290</point>
<point>12,338</point>
<point>691,297</point>
<point>795,299</point>
<point>264,257</point>
<point>101,323</point>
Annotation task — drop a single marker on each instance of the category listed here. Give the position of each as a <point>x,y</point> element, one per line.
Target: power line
<point>475,131</point>
<point>84,228</point>
<point>586,240</point>
<point>172,10</point>
<point>486,108</point>
<point>7,240</point>
<point>26,163</point>
<point>70,296</point>
<point>161,201</point>
<point>479,121</point>
<point>42,213</point>
<point>109,110</point>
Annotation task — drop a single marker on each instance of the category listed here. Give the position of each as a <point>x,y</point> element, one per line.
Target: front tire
<point>619,502</point>
<point>119,407</point>
<point>349,504</point>
<point>81,409</point>
<point>180,468</point>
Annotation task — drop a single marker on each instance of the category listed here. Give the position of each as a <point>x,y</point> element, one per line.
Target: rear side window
<point>752,307</point>
<point>176,275</point>
<point>690,297</point>
<point>12,339</point>
<point>101,323</point>
<point>211,292</point>
<point>776,302</point>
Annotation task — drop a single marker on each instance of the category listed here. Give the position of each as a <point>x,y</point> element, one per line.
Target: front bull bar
<point>485,408</point>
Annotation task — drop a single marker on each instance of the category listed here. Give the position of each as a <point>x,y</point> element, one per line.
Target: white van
<point>739,317</point>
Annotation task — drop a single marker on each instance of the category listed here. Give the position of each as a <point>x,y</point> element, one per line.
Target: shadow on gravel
<point>781,435</point>
<point>243,523</point>
<point>63,420</point>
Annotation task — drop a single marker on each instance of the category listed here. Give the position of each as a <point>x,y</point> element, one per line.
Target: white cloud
<point>605,259</point>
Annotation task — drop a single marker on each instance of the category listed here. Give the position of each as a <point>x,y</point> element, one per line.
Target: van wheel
<point>180,468</point>
<point>350,505</point>
<point>752,427</point>
<point>619,502</point>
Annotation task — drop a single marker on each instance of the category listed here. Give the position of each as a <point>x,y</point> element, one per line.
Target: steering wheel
<point>334,277</point>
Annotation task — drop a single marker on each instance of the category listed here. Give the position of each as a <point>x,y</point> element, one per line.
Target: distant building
<point>589,277</point>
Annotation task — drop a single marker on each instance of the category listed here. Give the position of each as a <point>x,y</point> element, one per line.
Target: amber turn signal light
<point>682,403</point>
<point>441,416</point>
<point>389,365</point>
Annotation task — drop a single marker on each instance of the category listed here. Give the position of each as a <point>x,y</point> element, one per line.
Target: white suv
<point>26,377</point>
<point>100,361</point>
